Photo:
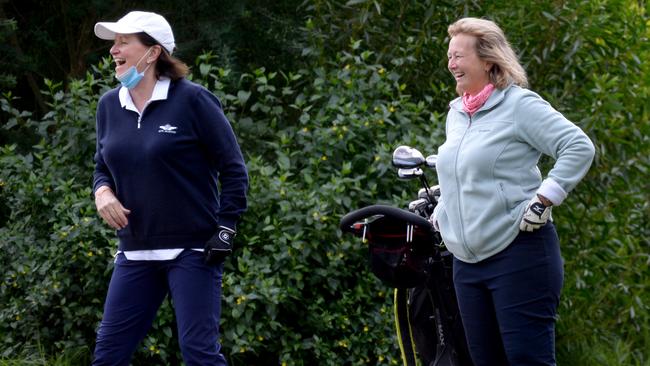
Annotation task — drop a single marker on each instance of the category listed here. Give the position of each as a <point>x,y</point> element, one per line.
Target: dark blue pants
<point>508,302</point>
<point>135,293</point>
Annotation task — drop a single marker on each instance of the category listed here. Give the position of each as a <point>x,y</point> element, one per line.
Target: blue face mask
<point>131,77</point>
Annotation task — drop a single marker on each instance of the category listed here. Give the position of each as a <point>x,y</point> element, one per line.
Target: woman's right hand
<point>110,208</point>
<point>433,219</point>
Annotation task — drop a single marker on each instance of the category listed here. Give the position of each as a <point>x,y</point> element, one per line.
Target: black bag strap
<point>403,327</point>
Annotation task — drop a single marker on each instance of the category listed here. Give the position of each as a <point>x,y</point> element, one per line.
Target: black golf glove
<point>219,246</point>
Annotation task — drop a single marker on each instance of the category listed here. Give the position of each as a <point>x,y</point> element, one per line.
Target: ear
<point>488,66</point>
<point>154,54</point>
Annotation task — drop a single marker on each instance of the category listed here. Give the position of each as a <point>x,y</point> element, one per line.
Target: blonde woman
<point>495,212</point>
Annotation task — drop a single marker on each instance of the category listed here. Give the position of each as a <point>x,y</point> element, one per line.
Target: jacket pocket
<point>501,192</point>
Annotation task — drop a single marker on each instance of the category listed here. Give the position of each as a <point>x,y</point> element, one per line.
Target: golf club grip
<point>389,211</point>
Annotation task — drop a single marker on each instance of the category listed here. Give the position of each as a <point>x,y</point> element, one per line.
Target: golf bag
<point>405,253</point>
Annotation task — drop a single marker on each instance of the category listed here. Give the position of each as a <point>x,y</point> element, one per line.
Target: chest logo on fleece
<point>167,129</point>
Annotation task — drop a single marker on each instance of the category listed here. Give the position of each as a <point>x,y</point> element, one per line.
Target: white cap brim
<point>107,30</point>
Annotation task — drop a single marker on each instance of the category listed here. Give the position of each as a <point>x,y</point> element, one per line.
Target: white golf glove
<point>535,216</point>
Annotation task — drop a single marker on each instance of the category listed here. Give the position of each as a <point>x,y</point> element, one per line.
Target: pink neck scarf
<point>472,103</point>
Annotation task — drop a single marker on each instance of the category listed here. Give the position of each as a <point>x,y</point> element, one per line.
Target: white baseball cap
<point>139,21</point>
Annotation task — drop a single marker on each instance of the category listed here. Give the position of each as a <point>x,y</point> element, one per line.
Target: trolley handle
<point>348,221</point>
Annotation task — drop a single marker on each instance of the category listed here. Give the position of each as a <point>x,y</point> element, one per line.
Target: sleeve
<point>102,175</point>
<point>217,136</point>
<point>550,133</point>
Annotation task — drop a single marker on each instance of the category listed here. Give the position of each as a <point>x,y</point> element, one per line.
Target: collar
<point>160,91</point>
<point>494,99</point>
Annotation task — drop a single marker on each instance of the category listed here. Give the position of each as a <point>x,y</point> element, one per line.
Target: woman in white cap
<point>171,179</point>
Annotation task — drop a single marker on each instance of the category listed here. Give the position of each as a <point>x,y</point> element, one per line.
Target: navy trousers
<point>135,293</point>
<point>508,302</point>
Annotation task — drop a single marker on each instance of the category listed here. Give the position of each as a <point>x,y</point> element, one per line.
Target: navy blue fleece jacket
<point>178,169</point>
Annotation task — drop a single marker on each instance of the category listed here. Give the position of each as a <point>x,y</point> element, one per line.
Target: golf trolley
<point>406,253</point>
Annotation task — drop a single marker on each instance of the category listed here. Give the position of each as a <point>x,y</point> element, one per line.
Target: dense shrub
<point>54,250</point>
<point>295,271</point>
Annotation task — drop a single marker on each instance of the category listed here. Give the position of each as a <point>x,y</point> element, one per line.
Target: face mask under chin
<point>131,77</point>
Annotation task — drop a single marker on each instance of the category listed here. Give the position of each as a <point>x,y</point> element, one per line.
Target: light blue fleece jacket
<point>487,168</point>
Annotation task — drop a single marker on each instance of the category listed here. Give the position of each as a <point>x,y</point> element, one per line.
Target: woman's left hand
<point>536,214</point>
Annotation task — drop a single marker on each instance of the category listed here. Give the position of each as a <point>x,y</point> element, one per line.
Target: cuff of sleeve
<point>101,189</point>
<point>227,228</point>
<point>553,191</point>
<point>228,223</point>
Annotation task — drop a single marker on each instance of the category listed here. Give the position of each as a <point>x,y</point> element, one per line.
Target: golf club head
<point>409,173</point>
<point>407,157</point>
<point>434,191</point>
<point>422,193</point>
<point>431,161</point>
<point>418,205</point>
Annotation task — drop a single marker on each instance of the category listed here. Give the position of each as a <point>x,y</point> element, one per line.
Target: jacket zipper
<point>142,114</point>
<point>460,214</point>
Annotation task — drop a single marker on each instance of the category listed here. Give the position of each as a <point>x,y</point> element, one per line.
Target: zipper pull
<point>139,119</point>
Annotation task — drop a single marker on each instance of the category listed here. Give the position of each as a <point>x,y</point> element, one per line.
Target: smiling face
<point>471,73</point>
<point>127,50</point>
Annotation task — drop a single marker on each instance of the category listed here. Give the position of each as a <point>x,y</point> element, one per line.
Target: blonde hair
<point>493,47</point>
